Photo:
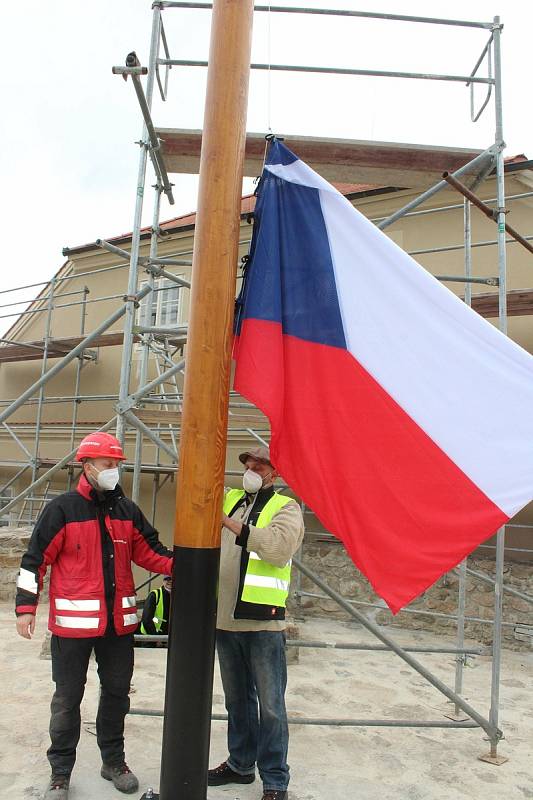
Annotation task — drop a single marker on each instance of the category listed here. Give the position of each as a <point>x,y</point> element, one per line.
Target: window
<point>165,304</point>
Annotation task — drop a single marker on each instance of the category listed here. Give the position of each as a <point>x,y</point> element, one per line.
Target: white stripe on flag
<point>300,173</point>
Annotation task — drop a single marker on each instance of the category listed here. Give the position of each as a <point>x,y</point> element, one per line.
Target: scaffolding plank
<point>155,416</point>
<point>519,303</point>
<point>337,160</point>
<point>57,348</point>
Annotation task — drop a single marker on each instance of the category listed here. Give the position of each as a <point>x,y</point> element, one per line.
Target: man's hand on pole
<point>232,525</point>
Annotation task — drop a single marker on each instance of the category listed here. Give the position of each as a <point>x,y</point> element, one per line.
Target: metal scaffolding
<point>153,410</point>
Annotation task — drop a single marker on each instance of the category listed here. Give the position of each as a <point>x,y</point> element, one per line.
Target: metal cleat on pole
<point>134,69</point>
<point>150,795</point>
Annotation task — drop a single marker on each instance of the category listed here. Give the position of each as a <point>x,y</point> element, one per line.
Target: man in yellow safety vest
<point>156,611</point>
<point>261,532</point>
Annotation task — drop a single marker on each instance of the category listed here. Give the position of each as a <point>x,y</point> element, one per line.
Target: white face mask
<point>251,481</point>
<point>107,479</point>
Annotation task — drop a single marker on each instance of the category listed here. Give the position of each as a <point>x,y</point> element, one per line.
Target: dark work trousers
<point>70,660</point>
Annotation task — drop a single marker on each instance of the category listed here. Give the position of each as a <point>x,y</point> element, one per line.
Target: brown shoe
<point>225,774</point>
<point>123,778</point>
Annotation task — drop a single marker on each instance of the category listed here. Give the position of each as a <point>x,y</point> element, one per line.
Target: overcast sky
<point>68,127</point>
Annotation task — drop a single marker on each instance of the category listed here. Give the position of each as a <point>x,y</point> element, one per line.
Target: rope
<point>269,73</point>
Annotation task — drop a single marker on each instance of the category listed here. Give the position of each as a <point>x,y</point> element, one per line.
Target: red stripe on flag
<point>405,512</point>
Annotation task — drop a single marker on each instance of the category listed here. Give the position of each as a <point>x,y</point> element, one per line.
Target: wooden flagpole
<point>200,481</point>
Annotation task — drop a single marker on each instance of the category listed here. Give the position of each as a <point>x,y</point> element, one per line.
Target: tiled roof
<point>248,204</point>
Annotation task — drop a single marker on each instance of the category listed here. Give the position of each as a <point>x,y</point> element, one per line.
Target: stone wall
<point>333,565</point>
<point>13,543</point>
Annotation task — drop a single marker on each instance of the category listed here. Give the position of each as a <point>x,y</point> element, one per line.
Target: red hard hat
<point>100,445</point>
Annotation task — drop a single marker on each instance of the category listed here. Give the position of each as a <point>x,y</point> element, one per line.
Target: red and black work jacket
<point>89,540</point>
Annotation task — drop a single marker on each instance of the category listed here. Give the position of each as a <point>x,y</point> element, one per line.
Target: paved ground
<point>327,763</point>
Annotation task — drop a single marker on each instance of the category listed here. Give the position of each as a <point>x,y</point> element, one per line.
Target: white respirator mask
<point>107,479</point>
<point>251,481</point>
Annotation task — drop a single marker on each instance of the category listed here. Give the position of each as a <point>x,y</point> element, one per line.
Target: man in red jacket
<point>89,537</point>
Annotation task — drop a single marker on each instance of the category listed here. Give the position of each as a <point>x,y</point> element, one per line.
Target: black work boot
<point>225,774</point>
<point>274,794</point>
<point>57,789</point>
<point>123,778</point>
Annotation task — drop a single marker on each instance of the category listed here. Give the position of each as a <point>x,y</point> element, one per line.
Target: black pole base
<point>150,796</point>
<point>190,666</point>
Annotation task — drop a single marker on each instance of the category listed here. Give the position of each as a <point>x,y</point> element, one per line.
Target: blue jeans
<point>254,676</point>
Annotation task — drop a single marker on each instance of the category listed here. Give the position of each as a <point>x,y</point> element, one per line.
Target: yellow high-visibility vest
<point>159,614</point>
<point>264,583</point>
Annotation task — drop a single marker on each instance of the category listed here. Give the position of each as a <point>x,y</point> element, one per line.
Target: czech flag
<point>401,417</point>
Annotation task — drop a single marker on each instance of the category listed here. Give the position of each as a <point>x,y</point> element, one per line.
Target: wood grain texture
<point>207,374</point>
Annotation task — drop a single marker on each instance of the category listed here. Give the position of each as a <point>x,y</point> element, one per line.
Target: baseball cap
<point>260,453</point>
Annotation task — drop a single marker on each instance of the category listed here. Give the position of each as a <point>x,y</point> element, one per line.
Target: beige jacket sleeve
<point>279,541</point>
